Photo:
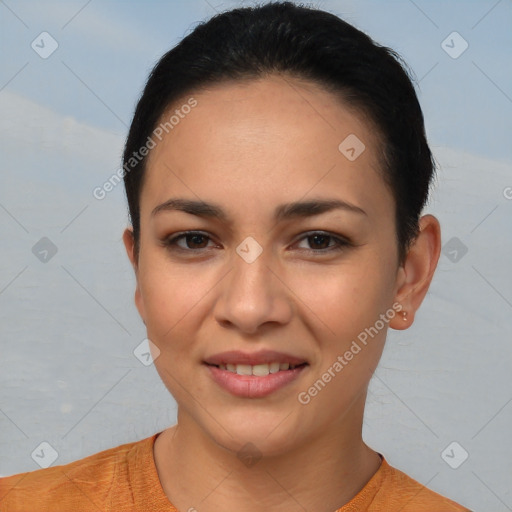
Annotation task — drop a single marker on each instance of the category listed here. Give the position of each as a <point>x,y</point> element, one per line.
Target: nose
<point>253,295</point>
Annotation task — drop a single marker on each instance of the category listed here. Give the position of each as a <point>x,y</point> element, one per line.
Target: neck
<point>322,474</point>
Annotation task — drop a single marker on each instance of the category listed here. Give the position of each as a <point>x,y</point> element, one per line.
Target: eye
<point>196,241</point>
<point>319,242</point>
<point>193,239</point>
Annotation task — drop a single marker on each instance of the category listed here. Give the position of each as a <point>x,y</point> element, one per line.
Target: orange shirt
<point>125,479</point>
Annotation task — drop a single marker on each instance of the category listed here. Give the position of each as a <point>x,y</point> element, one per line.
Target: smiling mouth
<point>258,370</point>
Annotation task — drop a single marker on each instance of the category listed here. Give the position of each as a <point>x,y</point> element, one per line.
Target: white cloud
<point>28,128</point>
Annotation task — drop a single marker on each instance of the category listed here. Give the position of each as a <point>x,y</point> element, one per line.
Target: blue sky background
<point>111,46</point>
<point>69,327</point>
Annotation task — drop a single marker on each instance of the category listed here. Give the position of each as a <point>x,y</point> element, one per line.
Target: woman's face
<point>256,278</point>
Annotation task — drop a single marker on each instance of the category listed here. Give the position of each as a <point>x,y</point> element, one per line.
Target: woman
<point>276,169</point>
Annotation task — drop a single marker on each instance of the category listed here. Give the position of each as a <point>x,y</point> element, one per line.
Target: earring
<point>404,316</point>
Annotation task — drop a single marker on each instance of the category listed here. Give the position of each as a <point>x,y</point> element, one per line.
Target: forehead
<point>262,140</point>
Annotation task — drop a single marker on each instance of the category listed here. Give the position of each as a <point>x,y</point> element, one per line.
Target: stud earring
<point>404,316</point>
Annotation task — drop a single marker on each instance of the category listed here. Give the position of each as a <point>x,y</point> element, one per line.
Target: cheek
<point>343,299</point>
<point>344,306</point>
<point>169,295</point>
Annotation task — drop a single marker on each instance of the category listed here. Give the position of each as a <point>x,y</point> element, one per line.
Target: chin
<point>251,434</point>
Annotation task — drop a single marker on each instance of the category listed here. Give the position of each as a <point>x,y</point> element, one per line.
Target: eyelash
<point>340,243</point>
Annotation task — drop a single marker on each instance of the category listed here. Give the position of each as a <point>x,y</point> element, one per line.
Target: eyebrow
<point>299,209</point>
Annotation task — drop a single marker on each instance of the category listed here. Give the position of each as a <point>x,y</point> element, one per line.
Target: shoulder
<point>85,484</point>
<point>408,495</point>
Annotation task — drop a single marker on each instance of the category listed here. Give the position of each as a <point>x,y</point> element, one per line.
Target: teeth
<point>274,367</point>
<point>258,370</point>
<point>244,369</point>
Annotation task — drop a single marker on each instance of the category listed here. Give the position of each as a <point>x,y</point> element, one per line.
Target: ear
<point>415,276</point>
<point>129,244</point>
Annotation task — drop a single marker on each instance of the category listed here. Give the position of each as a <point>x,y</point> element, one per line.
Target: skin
<point>249,147</point>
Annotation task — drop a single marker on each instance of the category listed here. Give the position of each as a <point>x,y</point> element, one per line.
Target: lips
<point>254,375</point>
<point>263,357</point>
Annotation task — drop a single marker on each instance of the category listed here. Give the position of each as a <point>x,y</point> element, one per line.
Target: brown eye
<point>194,240</point>
<point>322,242</point>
